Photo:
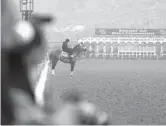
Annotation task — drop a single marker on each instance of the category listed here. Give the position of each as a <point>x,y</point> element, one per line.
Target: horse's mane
<point>75,49</point>
<point>76,46</point>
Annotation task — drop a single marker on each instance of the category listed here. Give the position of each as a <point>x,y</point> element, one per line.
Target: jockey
<point>66,49</point>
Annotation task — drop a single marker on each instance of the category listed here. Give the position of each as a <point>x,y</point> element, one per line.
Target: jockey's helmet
<point>67,40</point>
<point>81,43</point>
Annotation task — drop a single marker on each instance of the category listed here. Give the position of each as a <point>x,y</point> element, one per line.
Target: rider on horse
<point>66,49</point>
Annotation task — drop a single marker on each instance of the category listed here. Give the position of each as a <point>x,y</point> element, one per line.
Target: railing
<point>137,51</point>
<point>38,69</point>
<point>149,52</point>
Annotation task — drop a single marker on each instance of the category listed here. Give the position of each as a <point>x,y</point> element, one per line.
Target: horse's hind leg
<point>53,64</point>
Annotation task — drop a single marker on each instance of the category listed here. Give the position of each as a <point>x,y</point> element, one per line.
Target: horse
<point>59,55</point>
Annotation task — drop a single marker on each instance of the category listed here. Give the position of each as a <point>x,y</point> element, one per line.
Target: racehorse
<point>58,54</point>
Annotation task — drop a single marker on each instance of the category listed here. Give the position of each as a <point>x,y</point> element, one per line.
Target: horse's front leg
<point>72,68</point>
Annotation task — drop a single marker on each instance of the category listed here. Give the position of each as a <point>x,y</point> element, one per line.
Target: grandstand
<point>127,43</point>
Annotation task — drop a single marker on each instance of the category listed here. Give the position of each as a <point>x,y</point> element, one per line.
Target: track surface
<point>132,92</point>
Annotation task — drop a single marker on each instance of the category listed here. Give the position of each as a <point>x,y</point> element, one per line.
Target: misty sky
<point>87,14</point>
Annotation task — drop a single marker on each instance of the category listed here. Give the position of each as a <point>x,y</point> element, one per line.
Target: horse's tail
<point>50,54</point>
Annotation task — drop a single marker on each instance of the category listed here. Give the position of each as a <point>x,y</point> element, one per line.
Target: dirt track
<point>133,92</point>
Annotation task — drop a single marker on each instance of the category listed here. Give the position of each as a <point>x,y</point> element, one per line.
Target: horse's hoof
<point>72,73</point>
<point>53,72</point>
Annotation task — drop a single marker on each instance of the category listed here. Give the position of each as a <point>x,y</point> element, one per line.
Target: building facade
<point>136,43</point>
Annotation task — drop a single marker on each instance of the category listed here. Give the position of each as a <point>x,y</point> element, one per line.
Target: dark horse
<point>58,54</point>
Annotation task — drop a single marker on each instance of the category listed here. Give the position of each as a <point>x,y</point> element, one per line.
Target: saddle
<point>64,54</point>
<point>65,57</point>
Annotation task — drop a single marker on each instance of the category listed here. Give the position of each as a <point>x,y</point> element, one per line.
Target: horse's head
<point>83,47</point>
<point>79,48</point>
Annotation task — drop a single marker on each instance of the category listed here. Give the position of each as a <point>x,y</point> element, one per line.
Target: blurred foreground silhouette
<point>23,46</point>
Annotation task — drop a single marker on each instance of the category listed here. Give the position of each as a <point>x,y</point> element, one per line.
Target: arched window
<point>164,47</point>
<point>93,46</point>
<point>136,44</point>
<point>100,47</point>
<point>122,44</point>
<point>150,44</point>
<point>115,47</point>
<point>129,44</point>
<point>108,47</point>
<point>158,47</point>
